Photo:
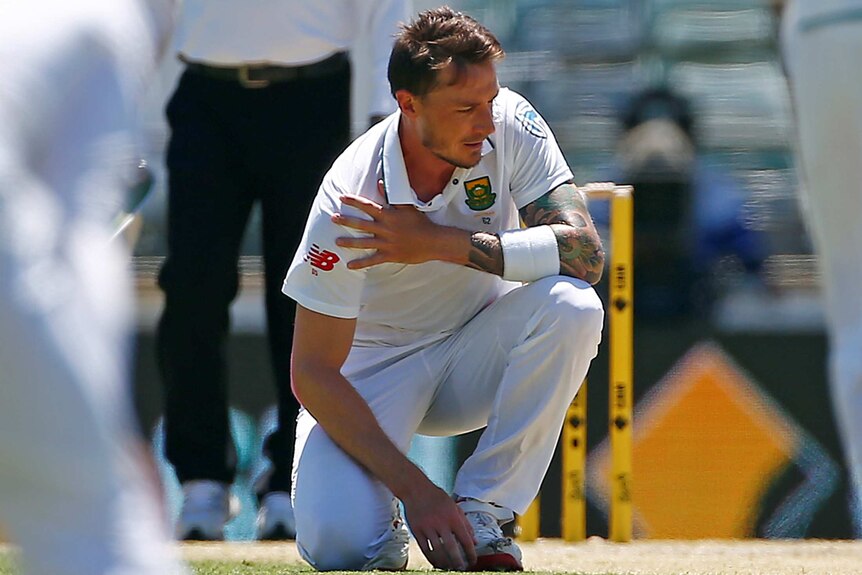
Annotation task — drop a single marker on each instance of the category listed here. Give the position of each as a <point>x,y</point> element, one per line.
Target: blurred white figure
<point>822,43</point>
<point>76,489</point>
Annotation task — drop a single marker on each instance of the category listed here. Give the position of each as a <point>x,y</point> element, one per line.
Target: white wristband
<point>530,254</point>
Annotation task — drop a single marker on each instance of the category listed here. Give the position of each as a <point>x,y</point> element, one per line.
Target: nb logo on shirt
<point>323,260</point>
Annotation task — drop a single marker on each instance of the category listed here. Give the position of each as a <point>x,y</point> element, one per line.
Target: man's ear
<point>407,103</point>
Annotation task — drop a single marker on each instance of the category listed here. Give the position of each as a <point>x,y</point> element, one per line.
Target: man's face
<point>455,118</point>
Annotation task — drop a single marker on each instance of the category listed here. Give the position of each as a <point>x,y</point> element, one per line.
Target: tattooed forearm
<point>486,253</point>
<point>564,204</point>
<point>565,210</point>
<point>581,253</point>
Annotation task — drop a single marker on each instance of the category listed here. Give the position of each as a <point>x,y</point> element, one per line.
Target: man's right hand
<point>440,528</point>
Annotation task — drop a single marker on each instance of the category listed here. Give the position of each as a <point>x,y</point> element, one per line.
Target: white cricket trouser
<point>515,367</point>
<point>76,490</point>
<point>822,45</point>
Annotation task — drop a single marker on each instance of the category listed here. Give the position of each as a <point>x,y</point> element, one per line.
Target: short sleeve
<point>538,165</point>
<point>318,277</point>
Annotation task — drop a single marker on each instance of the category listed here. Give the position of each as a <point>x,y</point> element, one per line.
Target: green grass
<point>246,568</point>
<point>256,568</point>
<point>8,567</point>
<point>249,567</point>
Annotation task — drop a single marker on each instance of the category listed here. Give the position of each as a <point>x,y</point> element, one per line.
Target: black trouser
<point>231,146</point>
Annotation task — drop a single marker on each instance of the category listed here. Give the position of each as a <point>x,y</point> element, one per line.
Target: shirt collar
<point>395,181</point>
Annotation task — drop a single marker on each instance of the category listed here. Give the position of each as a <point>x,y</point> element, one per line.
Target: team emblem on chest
<point>479,194</point>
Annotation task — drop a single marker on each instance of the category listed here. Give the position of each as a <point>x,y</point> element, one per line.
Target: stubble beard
<point>430,144</point>
<point>456,163</point>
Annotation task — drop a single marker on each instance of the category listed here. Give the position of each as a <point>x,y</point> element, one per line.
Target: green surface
<point>7,567</point>
<point>244,567</point>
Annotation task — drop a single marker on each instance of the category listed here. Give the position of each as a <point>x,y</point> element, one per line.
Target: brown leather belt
<point>261,76</point>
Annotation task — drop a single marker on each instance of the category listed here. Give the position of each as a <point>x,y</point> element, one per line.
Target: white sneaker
<point>207,506</point>
<point>275,520</point>
<point>494,551</point>
<point>393,554</point>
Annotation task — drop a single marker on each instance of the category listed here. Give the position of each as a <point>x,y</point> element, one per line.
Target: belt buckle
<point>247,82</point>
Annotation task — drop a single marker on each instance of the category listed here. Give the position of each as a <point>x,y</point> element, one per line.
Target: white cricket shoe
<point>207,506</point>
<point>494,551</point>
<point>393,554</point>
<point>275,520</point>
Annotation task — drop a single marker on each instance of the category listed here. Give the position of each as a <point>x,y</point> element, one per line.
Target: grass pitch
<point>246,568</point>
<point>552,556</point>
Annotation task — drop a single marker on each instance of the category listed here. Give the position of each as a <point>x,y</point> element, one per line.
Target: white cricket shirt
<point>292,33</point>
<point>399,304</point>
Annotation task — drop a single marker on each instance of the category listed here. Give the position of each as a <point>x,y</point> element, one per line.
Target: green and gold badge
<point>479,194</point>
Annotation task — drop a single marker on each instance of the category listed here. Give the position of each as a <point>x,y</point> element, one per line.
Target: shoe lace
<point>486,528</point>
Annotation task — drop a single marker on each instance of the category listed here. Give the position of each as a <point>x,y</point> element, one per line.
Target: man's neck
<point>428,175</point>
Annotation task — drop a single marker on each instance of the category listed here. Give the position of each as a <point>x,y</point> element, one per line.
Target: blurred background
<point>686,100</point>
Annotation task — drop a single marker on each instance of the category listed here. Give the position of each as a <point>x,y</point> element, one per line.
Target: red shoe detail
<point>497,562</point>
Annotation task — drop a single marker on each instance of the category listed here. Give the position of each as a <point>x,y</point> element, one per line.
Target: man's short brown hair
<point>435,39</point>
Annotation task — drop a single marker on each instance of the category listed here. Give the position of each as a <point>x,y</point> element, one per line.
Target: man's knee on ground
<point>334,543</point>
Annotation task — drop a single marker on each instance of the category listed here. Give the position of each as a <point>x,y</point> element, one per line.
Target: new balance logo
<point>323,260</point>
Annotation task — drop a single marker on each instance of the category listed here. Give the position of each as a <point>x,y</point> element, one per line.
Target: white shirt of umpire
<point>396,304</point>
